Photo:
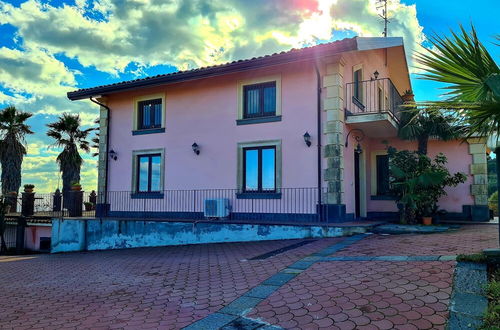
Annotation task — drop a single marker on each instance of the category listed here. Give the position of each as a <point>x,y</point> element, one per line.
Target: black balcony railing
<point>372,96</point>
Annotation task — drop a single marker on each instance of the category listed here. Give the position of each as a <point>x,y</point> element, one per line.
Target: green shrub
<point>478,258</point>
<point>418,182</point>
<point>493,202</point>
<point>492,315</point>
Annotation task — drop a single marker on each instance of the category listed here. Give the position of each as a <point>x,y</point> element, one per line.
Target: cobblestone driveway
<point>361,282</point>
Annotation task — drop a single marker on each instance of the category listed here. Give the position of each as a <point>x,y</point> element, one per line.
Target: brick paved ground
<point>172,287</point>
<point>468,239</point>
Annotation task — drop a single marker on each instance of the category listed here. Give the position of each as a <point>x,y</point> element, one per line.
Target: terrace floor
<point>362,282</point>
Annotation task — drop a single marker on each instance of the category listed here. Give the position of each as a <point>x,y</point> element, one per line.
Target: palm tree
<point>472,81</point>
<point>95,140</point>
<point>68,135</point>
<point>420,125</point>
<point>13,131</point>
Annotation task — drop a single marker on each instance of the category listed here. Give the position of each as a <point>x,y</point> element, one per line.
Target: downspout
<point>107,148</point>
<point>318,105</point>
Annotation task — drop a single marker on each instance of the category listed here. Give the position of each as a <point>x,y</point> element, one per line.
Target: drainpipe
<point>107,148</point>
<point>318,105</point>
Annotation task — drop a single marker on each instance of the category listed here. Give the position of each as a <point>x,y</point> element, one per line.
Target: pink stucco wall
<point>459,160</point>
<point>32,236</point>
<point>205,111</point>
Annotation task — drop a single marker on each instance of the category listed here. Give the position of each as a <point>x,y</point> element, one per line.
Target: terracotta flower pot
<point>408,98</point>
<point>27,190</point>
<point>427,221</point>
<point>76,188</point>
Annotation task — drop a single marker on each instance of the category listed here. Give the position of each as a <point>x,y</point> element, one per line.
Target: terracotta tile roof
<point>292,55</point>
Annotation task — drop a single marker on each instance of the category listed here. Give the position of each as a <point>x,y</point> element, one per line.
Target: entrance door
<point>357,190</point>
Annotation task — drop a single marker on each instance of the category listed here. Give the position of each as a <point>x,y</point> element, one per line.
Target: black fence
<point>70,204</point>
<point>372,96</point>
<point>284,204</point>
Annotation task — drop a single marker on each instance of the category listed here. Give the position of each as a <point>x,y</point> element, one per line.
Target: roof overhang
<point>294,55</point>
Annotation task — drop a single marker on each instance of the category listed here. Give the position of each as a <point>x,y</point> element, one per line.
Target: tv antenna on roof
<point>382,4</point>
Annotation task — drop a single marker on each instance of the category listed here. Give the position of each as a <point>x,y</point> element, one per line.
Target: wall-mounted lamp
<point>113,155</point>
<point>196,148</point>
<point>307,139</point>
<point>358,135</point>
<point>375,74</point>
<point>358,149</point>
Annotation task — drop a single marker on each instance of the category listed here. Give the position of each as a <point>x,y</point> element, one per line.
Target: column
<point>333,130</point>
<point>479,186</point>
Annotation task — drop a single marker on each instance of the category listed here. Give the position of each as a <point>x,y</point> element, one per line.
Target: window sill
<point>258,120</point>
<point>257,195</point>
<point>148,131</point>
<point>151,195</point>
<point>383,198</point>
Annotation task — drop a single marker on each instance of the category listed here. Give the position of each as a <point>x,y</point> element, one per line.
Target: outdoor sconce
<point>307,139</point>
<point>375,74</point>
<point>358,135</point>
<point>113,155</point>
<point>196,148</point>
<point>358,149</point>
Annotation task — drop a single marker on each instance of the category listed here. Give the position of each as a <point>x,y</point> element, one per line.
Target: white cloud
<point>35,72</point>
<point>111,34</point>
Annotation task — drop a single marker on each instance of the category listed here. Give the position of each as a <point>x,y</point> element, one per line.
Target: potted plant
<point>76,186</point>
<point>408,96</point>
<point>418,182</point>
<point>88,206</point>
<point>426,216</point>
<point>28,188</point>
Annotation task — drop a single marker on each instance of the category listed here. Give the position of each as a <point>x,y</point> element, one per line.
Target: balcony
<point>373,106</point>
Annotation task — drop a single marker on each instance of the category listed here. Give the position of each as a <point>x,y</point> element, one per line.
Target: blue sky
<point>50,47</point>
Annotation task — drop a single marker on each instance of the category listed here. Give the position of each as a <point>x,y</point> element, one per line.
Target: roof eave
<point>245,65</point>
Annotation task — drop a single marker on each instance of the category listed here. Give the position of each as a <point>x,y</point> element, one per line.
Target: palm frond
<point>472,79</point>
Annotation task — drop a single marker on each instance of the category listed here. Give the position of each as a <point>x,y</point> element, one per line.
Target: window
<point>259,100</point>
<point>358,85</point>
<point>259,169</point>
<point>148,173</point>
<point>149,114</point>
<point>382,163</point>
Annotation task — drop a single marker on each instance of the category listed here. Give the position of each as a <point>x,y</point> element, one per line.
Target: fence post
<point>93,199</point>
<point>75,203</point>
<point>27,204</point>
<point>20,229</point>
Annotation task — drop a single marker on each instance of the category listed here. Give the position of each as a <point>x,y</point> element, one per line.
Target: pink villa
<point>297,136</point>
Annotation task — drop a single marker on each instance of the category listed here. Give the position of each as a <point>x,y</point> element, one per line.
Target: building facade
<point>297,135</point>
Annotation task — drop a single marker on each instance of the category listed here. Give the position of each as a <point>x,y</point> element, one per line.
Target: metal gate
<point>12,235</point>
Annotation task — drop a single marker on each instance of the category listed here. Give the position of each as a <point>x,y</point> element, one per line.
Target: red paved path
<point>172,287</point>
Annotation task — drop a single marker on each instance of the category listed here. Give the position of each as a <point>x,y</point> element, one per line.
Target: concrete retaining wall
<point>85,234</point>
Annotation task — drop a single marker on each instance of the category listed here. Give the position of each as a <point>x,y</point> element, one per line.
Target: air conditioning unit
<point>217,208</point>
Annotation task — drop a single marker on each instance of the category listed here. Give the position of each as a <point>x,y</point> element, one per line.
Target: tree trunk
<point>422,145</point>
